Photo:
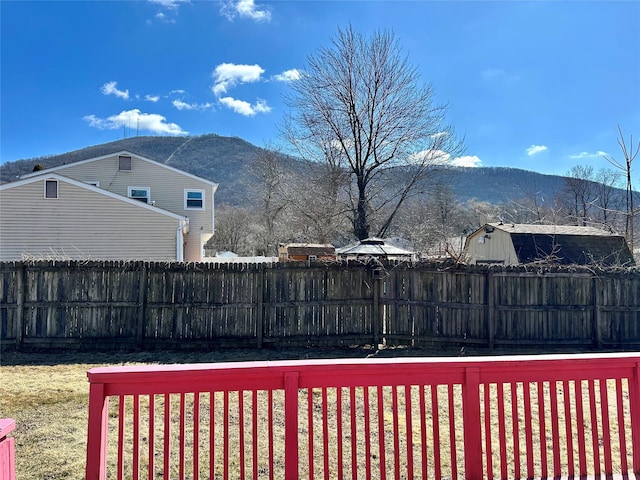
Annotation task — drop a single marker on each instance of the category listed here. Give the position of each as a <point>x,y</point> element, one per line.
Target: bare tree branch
<point>360,107</point>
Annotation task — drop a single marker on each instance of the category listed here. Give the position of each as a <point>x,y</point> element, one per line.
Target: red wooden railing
<point>504,417</point>
<point>7,450</point>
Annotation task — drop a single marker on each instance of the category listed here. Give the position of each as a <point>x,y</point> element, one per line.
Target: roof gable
<point>91,188</point>
<point>60,168</point>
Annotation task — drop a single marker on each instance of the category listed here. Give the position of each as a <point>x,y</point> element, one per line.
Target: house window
<point>140,193</point>
<point>124,163</point>
<point>50,189</point>
<point>95,183</point>
<point>194,199</point>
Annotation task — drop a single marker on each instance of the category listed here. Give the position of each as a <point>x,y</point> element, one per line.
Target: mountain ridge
<point>227,161</point>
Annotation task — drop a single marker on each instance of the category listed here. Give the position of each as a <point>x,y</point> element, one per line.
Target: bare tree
<point>316,211</point>
<point>359,108</point>
<point>232,224</point>
<point>607,198</point>
<point>629,153</point>
<point>271,175</point>
<point>579,191</point>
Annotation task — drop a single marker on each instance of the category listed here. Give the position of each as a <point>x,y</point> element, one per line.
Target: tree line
<point>375,145</point>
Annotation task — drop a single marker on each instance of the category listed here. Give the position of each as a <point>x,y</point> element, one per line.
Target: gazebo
<point>374,248</point>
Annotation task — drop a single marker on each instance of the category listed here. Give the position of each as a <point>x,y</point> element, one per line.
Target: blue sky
<point>534,85</point>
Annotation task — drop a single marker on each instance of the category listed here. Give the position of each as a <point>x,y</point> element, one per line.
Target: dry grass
<point>47,395</point>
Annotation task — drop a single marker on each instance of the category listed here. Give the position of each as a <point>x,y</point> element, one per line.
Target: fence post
<point>20,299</point>
<point>472,424</point>
<point>96,467</point>
<point>490,309</point>
<point>597,317</point>
<point>290,425</point>
<point>142,306</point>
<point>260,313</point>
<point>375,311</point>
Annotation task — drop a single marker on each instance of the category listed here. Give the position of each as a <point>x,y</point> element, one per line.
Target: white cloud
<point>430,156</point>
<point>244,9</point>
<point>440,157</point>
<point>180,105</point>
<point>288,75</point>
<point>245,108</point>
<point>227,75</point>
<point>467,161</point>
<point>110,88</point>
<point>164,18</point>
<point>168,10</point>
<point>534,149</point>
<point>170,4</point>
<point>135,119</point>
<point>577,156</point>
<point>152,98</point>
<point>439,135</point>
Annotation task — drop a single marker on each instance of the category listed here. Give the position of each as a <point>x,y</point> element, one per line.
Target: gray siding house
<point>118,206</point>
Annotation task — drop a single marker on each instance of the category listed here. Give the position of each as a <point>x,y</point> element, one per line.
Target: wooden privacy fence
<point>496,417</point>
<point>169,305</point>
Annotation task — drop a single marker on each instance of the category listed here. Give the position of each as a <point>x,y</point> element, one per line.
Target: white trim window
<point>193,199</point>
<point>142,194</point>
<point>51,189</point>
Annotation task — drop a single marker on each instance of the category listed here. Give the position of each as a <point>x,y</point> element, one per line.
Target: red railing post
<point>472,424</point>
<point>291,425</point>
<point>7,450</point>
<point>96,468</point>
<point>634,403</point>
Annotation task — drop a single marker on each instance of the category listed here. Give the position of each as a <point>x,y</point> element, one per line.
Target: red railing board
<point>7,450</point>
<point>512,417</point>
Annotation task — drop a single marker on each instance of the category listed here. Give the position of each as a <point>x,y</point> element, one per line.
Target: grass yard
<point>47,395</point>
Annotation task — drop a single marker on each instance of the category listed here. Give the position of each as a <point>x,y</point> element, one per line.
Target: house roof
<point>549,229</point>
<point>47,171</point>
<point>310,249</point>
<point>373,247</point>
<point>566,244</point>
<point>86,186</point>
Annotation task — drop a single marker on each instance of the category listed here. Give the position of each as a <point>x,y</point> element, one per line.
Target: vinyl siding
<point>167,191</point>
<point>498,247</point>
<point>81,224</point>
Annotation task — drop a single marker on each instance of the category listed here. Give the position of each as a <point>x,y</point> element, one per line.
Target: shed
<point>374,248</point>
<point>517,244</point>
<point>305,252</point>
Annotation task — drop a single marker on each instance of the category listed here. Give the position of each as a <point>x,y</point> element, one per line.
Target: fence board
<point>156,305</point>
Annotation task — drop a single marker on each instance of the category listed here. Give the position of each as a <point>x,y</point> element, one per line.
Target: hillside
<point>227,161</point>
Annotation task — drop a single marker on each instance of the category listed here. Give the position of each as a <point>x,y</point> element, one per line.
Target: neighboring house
<point>306,252</point>
<point>163,192</point>
<point>374,248</point>
<point>53,217</point>
<point>515,244</point>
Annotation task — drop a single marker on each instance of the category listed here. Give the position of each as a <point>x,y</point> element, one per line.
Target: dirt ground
<point>11,357</point>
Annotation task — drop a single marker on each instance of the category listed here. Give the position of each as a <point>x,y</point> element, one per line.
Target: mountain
<point>227,161</point>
